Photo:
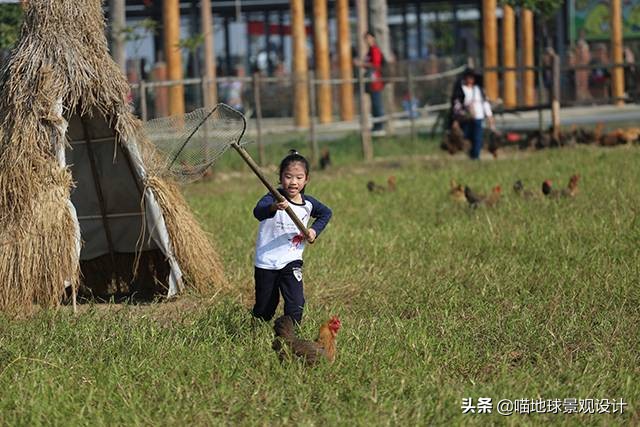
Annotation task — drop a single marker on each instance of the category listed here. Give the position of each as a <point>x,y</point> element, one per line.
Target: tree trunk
<point>206,24</point>
<point>380,28</point>
<point>118,23</point>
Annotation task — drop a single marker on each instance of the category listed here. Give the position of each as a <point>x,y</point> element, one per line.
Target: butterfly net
<point>189,144</point>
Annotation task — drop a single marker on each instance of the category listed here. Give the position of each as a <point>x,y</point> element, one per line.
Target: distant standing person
<point>232,90</point>
<point>372,63</point>
<point>469,108</point>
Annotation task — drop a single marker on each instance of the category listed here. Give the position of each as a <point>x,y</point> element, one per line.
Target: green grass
<point>344,150</point>
<point>530,299</point>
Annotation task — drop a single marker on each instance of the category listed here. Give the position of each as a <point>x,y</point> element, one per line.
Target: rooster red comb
<point>334,323</point>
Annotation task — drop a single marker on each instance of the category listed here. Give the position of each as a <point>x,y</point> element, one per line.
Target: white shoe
<point>380,132</point>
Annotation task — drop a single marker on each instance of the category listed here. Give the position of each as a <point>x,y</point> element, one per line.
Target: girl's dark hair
<point>293,157</point>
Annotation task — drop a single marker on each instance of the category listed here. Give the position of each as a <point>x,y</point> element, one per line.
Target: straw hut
<point>80,203</point>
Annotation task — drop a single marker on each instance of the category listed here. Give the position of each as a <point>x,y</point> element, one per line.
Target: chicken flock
<point>462,193</point>
<point>454,141</point>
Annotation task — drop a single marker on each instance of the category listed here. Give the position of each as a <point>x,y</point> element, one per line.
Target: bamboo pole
<point>528,81</point>
<point>490,38</point>
<point>323,68</point>
<point>617,77</point>
<point>300,91</point>
<point>206,25</point>
<point>345,60</point>
<point>509,56</point>
<point>171,18</point>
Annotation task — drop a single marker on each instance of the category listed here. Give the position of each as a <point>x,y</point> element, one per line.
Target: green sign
<point>591,18</point>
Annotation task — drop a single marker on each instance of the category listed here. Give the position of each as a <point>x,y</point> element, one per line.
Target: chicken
<point>548,190</point>
<point>287,343</point>
<point>494,197</point>
<point>375,188</point>
<point>612,138</point>
<point>456,191</point>
<point>598,132</point>
<point>455,141</point>
<point>496,140</point>
<point>476,200</point>
<point>325,159</point>
<point>570,191</point>
<point>518,188</point>
<point>572,187</point>
<point>391,183</point>
<point>631,135</point>
<point>472,198</point>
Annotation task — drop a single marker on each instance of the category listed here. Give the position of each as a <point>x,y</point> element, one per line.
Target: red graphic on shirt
<point>297,240</point>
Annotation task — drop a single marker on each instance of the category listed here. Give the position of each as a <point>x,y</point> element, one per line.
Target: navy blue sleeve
<point>262,210</point>
<point>321,213</point>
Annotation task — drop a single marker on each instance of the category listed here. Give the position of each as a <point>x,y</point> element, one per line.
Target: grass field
<point>530,299</point>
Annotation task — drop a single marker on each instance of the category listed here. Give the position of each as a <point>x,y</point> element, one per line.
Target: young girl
<point>279,247</point>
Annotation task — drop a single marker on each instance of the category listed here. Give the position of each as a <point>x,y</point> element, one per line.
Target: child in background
<point>279,247</point>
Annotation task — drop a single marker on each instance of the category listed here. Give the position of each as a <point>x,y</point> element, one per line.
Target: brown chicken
<point>631,135</point>
<point>598,132</point>
<point>391,183</point>
<point>287,343</point>
<point>612,138</point>
<point>456,191</point>
<point>476,200</point>
<point>572,187</point>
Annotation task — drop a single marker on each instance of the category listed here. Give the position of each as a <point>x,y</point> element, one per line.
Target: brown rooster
<point>287,343</point>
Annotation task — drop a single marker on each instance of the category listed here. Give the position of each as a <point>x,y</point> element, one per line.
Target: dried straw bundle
<point>61,64</point>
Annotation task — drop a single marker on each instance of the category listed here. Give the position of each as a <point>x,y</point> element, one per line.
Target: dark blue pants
<point>271,283</point>
<point>377,109</point>
<point>473,132</point>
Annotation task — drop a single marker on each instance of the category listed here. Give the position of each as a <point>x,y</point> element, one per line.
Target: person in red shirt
<point>373,63</point>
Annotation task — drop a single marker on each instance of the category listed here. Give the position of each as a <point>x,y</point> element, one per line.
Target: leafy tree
<point>10,22</point>
<point>542,7</point>
<point>137,32</point>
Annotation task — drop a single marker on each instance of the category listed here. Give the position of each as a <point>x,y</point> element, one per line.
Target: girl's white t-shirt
<point>279,241</point>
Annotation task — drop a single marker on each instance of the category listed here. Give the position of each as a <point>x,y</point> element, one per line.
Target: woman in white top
<point>469,109</point>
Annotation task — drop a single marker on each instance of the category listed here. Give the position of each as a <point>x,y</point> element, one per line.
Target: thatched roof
<point>62,55</point>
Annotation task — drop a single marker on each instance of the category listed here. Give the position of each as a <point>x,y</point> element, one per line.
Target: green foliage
<point>542,7</point>
<point>10,22</point>
<point>530,299</point>
<point>191,44</point>
<point>137,32</point>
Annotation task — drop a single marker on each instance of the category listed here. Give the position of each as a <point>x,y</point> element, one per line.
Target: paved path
<point>282,129</point>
